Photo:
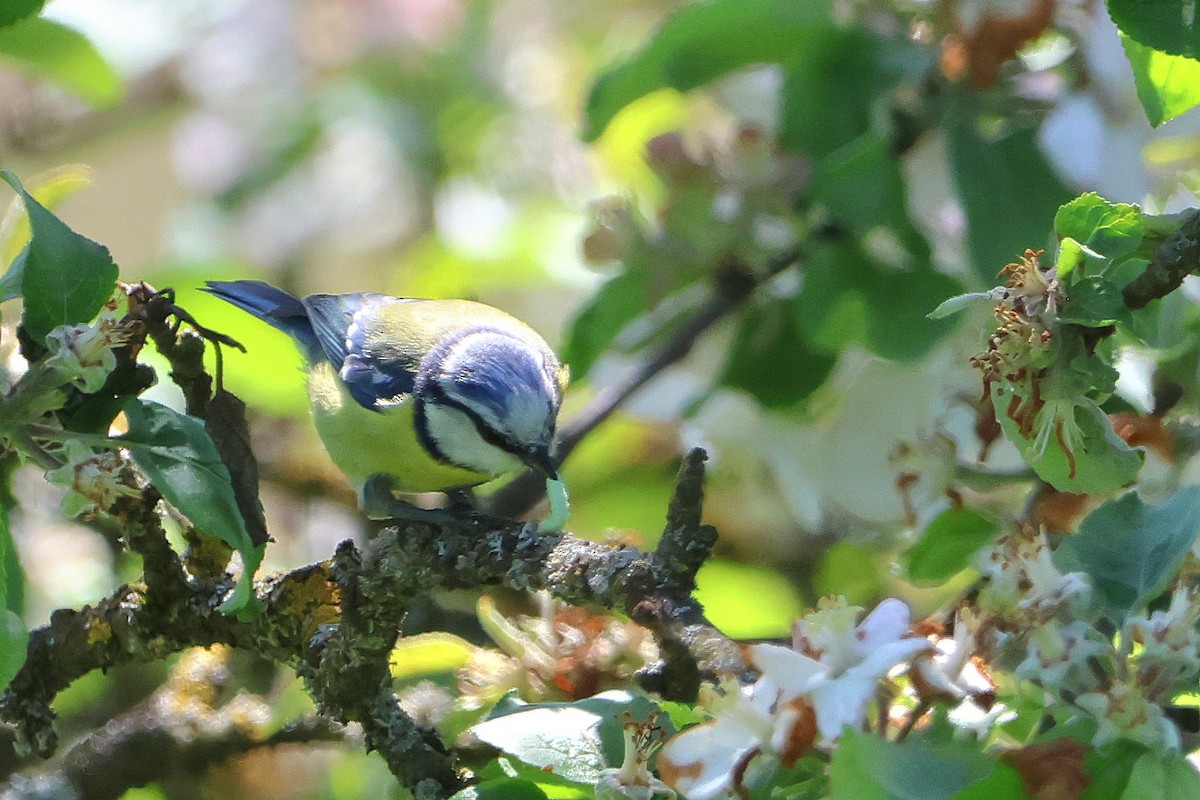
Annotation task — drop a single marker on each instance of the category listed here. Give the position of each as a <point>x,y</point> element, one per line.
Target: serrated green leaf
<point>66,277</point>
<point>948,543</point>
<point>181,461</point>
<point>868,767</point>
<point>12,11</point>
<point>47,49</point>
<point>771,359</point>
<point>50,188</point>
<point>1167,85</point>
<point>1132,550</point>
<point>1007,188</point>
<point>1171,26</point>
<point>701,42</point>
<point>1110,229</point>
<point>1102,462</point>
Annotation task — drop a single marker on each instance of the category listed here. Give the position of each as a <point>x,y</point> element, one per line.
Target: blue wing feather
<point>340,323</point>
<point>330,327</point>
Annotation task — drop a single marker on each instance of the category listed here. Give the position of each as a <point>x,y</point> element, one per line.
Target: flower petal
<point>886,623</point>
<point>793,673</point>
<point>701,762</point>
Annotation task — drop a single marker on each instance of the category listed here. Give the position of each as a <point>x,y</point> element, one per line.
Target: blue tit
<point>416,395</point>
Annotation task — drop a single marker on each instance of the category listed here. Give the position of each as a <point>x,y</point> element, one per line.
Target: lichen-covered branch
<point>336,621</point>
<point>1174,260</point>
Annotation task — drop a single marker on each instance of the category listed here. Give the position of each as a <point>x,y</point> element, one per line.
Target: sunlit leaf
<point>49,188</point>
<point>47,49</point>
<point>1132,550</point>
<point>704,41</point>
<point>948,543</point>
<point>575,741</point>
<point>181,461</point>
<point>732,596</point>
<point>1167,85</point>
<point>1110,229</point>
<point>429,654</point>
<point>66,277</point>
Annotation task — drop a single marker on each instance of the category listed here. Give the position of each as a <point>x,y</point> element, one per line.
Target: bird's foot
<point>379,503</point>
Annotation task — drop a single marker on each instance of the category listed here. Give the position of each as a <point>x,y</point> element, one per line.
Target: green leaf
<point>897,324</point>
<point>179,457</point>
<point>1008,191</point>
<point>1101,462</point>
<point>47,49</point>
<point>952,305</point>
<point>833,85</point>
<point>1003,784</point>
<point>66,277</point>
<point>868,767</point>
<point>50,188</point>
<point>1167,85</point>
<point>1162,776</point>
<point>863,188</point>
<point>501,789</point>
<point>771,358</point>
<point>704,41</point>
<point>617,303</point>
<point>1132,550</point>
<point>13,636</point>
<point>1110,229</point>
<point>575,741</point>
<point>16,10</point>
<point>429,654</point>
<point>1109,768</point>
<point>948,543</point>
<point>732,597</point>
<point>13,577</point>
<point>1171,26</point>
<point>1094,301</point>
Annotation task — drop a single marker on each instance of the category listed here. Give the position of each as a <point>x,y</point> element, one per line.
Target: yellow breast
<point>363,443</point>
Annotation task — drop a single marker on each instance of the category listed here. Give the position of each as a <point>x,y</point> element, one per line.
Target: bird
<point>413,395</point>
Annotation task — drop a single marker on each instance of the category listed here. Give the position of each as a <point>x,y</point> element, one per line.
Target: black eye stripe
<point>493,437</point>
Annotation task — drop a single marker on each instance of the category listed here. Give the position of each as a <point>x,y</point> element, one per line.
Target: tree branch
<point>523,492</point>
<point>336,621</point>
<point>1174,260</point>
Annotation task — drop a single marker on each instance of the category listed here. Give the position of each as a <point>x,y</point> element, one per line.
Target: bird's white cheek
<point>457,437</point>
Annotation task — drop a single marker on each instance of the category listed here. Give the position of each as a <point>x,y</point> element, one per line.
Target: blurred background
<point>430,148</point>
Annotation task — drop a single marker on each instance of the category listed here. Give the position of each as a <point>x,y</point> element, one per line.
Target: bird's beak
<point>540,458</point>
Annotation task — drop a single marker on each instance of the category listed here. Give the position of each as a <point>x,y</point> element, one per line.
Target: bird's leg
<point>461,501</point>
<point>378,502</point>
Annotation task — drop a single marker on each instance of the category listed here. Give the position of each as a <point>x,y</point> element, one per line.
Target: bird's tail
<point>273,306</point>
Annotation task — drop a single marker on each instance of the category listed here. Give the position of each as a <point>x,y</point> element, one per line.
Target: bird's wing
<point>348,329</point>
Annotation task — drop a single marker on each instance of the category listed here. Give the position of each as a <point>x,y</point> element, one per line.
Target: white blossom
<point>1124,712</point>
<point>822,686</point>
